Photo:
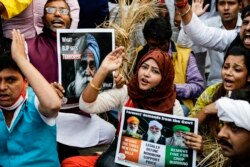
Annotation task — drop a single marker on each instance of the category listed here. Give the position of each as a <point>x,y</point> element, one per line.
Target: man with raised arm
<point>212,37</point>
<point>27,115</point>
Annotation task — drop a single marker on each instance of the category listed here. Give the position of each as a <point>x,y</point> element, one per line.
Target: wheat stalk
<point>129,22</point>
<point>211,153</point>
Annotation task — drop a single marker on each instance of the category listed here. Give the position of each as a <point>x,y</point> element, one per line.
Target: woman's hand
<point>110,63</point>
<point>113,60</point>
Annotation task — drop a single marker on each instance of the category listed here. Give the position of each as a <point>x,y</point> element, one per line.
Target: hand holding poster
<point>80,52</point>
<point>154,139</point>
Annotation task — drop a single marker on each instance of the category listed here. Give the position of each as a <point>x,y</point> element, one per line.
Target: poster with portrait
<point>152,139</point>
<point>80,53</point>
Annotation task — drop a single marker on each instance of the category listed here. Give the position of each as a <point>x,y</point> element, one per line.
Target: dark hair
<point>128,2</point>
<point>113,1</point>
<point>8,63</point>
<point>245,12</point>
<point>240,51</point>
<point>241,94</point>
<point>164,12</point>
<point>158,29</point>
<point>216,2</point>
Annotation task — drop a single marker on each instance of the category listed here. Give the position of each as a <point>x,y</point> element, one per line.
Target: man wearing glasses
<point>42,51</point>
<point>56,15</point>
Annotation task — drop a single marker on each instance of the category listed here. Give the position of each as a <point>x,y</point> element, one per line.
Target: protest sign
<point>80,52</point>
<point>158,141</point>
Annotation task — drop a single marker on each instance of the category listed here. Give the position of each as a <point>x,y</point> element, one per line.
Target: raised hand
<point>110,63</point>
<point>113,60</point>
<point>18,45</point>
<point>197,7</point>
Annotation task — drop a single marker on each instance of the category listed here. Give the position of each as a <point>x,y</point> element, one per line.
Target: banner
<point>152,139</point>
<point>80,53</point>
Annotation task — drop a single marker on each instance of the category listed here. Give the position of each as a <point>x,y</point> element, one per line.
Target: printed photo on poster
<point>151,139</point>
<point>80,52</point>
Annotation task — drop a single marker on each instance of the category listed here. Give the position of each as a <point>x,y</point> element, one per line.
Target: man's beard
<point>179,141</point>
<point>153,137</point>
<point>131,131</point>
<point>81,83</point>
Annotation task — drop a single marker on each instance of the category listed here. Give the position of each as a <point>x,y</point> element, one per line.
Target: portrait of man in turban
<point>86,67</point>
<point>132,127</point>
<point>154,133</point>
<point>177,138</point>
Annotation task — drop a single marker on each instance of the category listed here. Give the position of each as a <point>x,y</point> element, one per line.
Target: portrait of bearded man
<point>154,133</point>
<point>177,138</point>
<point>132,128</point>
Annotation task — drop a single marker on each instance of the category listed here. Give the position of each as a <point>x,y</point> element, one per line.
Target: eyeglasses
<point>52,10</point>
